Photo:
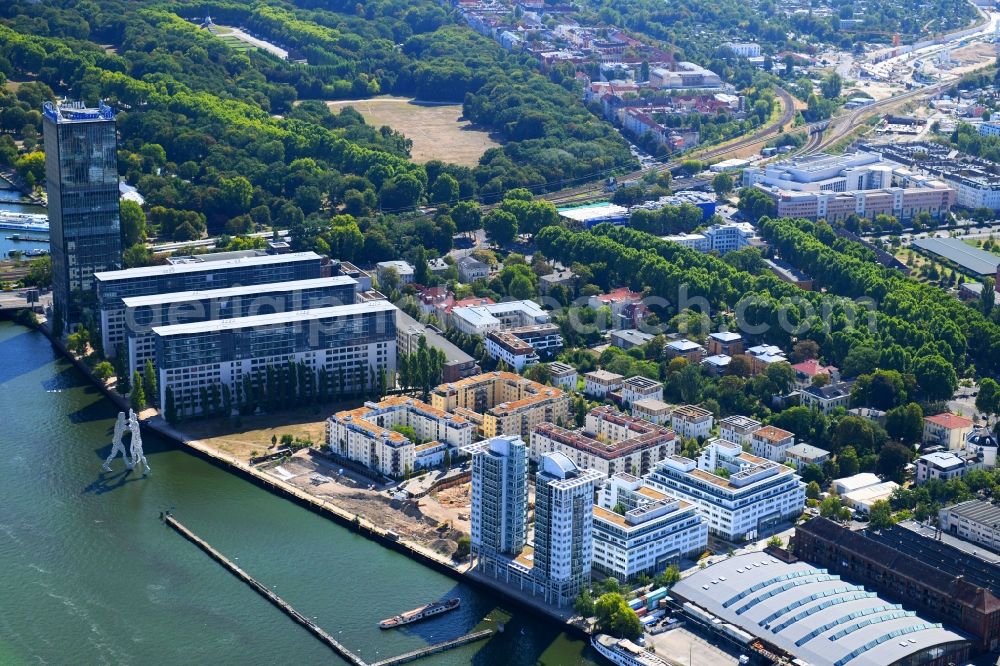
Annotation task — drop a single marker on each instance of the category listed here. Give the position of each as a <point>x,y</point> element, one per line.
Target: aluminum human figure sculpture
<point>116,444</point>
<point>137,454</point>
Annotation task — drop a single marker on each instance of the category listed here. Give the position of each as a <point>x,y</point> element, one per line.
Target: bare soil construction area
<point>438,131</point>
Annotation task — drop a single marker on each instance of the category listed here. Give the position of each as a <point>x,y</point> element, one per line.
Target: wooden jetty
<point>308,624</point>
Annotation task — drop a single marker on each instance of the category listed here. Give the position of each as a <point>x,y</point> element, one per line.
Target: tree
<point>467,216</point>
<point>847,461</point>
<point>421,271</point>
<point>170,407</point>
<point>149,381</point>
<point>813,490</point>
<point>988,400</point>
<point>936,377</point>
<point>584,604</point>
<point>988,296</point>
<point>775,542</point>
<point>880,515</point>
<point>905,423</point>
<point>722,184</point>
<point>670,576</point>
<point>860,360</point>
<point>133,221</point>
<point>500,226</point>
<point>104,370</point>
<point>463,547</point>
<point>137,397</point>
<point>892,459</point>
<point>615,617</point>
<point>831,85</point>
<point>804,350</point>
<point>445,189</point>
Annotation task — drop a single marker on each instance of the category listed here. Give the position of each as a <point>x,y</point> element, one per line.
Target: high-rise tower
<point>81,176</point>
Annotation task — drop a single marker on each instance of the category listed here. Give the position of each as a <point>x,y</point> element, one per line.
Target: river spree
<point>11,200</point>
<point>91,576</point>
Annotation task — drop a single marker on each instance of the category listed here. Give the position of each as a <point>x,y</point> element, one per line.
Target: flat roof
<point>810,613</point>
<point>270,288</point>
<point>958,251</point>
<point>595,211</point>
<point>806,451</point>
<point>274,318</point>
<point>197,266</point>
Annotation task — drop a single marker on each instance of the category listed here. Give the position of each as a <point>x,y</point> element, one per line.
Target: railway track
<point>760,136</point>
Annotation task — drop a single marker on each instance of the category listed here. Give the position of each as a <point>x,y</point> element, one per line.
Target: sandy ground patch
<point>410,519</point>
<point>241,437</point>
<point>438,131</point>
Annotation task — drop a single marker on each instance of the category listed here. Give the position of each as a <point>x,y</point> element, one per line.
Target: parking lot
<point>681,646</point>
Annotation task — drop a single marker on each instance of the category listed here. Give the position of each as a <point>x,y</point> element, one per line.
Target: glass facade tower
<point>81,175</point>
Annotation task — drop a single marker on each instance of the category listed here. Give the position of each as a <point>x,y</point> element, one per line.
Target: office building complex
<point>143,313</point>
<point>742,496</point>
<point>834,187</point>
<point>563,545</point>
<point>952,590</point>
<point>612,442</point>
<point>81,178</point>
<point>499,515</point>
<point>654,531</point>
<point>198,273</point>
<point>351,346</point>
<point>366,435</point>
<point>502,403</point>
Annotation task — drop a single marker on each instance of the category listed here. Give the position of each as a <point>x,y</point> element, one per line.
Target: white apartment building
<point>349,345</point>
<point>499,511</point>
<point>975,521</point>
<point>800,455</point>
<point>366,434</point>
<point>744,49</point>
<point>404,271</point>
<point>654,531</point>
<point>564,522</point>
<point>481,319</point>
<point>640,388</point>
<point>944,465</point>
<point>599,383</point>
<point>654,411</point>
<point>771,443</point>
<point>752,496</point>
<point>692,422</point>
<point>612,442</point>
<point>563,375</point>
<point>512,350</point>
<point>738,429</point>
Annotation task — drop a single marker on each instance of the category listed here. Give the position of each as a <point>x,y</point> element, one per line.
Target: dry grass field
<point>438,131</point>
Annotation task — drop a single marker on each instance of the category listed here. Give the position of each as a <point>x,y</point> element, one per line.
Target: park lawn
<point>438,131</point>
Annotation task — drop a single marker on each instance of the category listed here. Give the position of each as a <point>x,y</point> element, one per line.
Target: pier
<point>308,624</point>
<point>434,649</point>
<point>283,605</point>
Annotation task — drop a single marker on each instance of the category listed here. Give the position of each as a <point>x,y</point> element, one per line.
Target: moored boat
<point>422,613</point>
<point>624,652</point>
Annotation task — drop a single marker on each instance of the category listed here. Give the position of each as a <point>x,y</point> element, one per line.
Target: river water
<point>89,575</point>
<point>11,200</point>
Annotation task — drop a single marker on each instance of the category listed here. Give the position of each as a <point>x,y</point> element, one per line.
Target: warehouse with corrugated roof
<point>813,615</point>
